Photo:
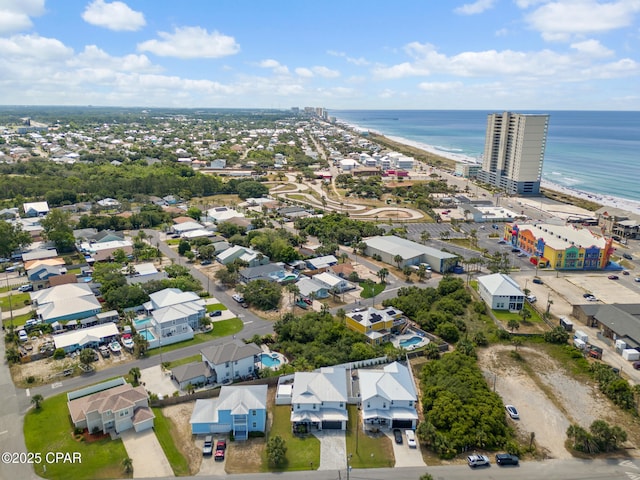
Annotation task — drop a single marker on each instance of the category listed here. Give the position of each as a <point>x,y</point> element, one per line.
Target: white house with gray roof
<point>501,292</point>
<point>388,397</point>
<point>319,400</point>
<point>246,254</point>
<point>231,360</point>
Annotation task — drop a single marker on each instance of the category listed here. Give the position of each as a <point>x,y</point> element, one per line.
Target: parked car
<point>506,459</point>
<point>237,297</point>
<point>207,449</point>
<point>637,279</point>
<point>515,250</point>
<point>636,365</point>
<point>532,298</point>
<point>587,295</point>
<point>397,434</point>
<point>25,288</point>
<point>221,446</point>
<point>522,254</point>
<point>627,256</point>
<point>215,313</point>
<point>104,351</point>
<point>411,438</point>
<point>625,272</point>
<point>538,281</point>
<point>501,242</point>
<point>22,335</point>
<point>244,305</point>
<point>478,461</point>
<point>613,277</point>
<point>512,411</point>
<point>205,262</point>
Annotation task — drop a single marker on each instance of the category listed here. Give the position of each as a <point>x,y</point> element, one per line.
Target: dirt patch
<point>548,398</point>
<point>181,428</point>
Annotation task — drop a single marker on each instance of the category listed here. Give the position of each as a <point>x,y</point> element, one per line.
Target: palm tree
<point>382,274</point>
<point>422,272</point>
<point>425,237</point>
<point>127,463</point>
<point>513,324</point>
<point>135,376</point>
<point>398,260</point>
<point>37,401</point>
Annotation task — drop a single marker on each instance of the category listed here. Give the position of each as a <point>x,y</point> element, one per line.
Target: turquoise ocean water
<point>594,152</point>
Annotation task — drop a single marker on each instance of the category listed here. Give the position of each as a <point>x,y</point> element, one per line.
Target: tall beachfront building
<point>514,152</point>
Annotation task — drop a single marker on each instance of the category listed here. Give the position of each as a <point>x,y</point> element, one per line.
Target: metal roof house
<point>238,409</point>
<point>501,292</point>
<point>411,253</point>
<point>71,301</point>
<point>319,400</point>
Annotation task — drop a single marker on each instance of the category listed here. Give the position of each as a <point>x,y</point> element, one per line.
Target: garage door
<point>402,424</point>
<point>331,425</point>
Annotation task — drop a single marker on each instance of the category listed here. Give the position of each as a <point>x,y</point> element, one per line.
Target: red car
<point>221,446</point>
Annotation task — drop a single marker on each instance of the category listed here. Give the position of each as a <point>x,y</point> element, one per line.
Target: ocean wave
<point>447,149</point>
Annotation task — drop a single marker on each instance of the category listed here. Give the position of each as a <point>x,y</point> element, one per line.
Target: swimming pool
<point>270,360</point>
<point>141,323</point>
<point>148,336</point>
<point>410,341</point>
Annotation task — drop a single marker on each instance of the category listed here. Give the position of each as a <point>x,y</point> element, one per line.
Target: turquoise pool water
<point>410,341</point>
<point>269,361</point>
<point>141,323</point>
<point>147,335</point>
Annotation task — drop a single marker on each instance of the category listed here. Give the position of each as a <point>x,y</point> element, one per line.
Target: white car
<point>478,461</point>
<point>411,438</point>
<point>237,297</point>
<point>512,411</point>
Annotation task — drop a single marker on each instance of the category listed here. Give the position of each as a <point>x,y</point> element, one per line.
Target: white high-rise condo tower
<point>514,152</point>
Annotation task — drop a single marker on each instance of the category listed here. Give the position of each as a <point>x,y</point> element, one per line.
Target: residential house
<point>194,373</point>
<point>377,325</point>
<point>104,250</point>
<point>388,397</point>
<point>220,214</point>
<point>72,301</point>
<point>320,263</point>
<point>334,283</point>
<point>310,288</point>
<point>35,209</point>
<point>274,272</point>
<point>501,292</point>
<point>90,337</point>
<point>238,410</point>
<point>245,254</point>
<point>40,276</point>
<point>110,407</point>
<point>39,254</point>
<point>231,360</point>
<point>184,227</point>
<point>319,400</point>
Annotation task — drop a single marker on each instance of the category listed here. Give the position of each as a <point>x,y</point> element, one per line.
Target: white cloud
<point>274,65</point>
<point>15,15</point>
<point>116,16</point>
<point>191,42</point>
<point>440,86</point>
<point>325,72</point>
<point>304,72</point>
<point>94,57</point>
<point>529,3</point>
<point>560,19</point>
<point>26,48</point>
<point>592,48</point>
<point>360,61</point>
<point>475,8</point>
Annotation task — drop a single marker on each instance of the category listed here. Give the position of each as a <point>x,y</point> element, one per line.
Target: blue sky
<point>348,54</point>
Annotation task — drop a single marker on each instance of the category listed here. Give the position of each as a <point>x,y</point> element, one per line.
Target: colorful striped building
<point>560,247</point>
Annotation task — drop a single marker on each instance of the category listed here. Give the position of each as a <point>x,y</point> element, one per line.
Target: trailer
<point>566,324</point>
<point>581,336</point>
<point>579,344</point>
<point>631,354</point>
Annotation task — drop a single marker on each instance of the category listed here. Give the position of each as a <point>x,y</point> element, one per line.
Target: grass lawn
<point>504,316</point>
<point>184,361</point>
<point>222,328</point>
<point>371,290</point>
<point>301,451</point>
<point>18,320</point>
<point>50,430</point>
<point>177,460</point>
<point>367,451</point>
<point>17,301</point>
<point>216,306</point>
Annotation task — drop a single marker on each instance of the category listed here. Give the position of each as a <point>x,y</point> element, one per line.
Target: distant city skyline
<point>483,54</point>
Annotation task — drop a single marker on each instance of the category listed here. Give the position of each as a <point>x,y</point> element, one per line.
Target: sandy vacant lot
<point>548,398</point>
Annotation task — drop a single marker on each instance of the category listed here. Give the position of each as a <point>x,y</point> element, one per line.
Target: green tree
<point>252,189</point>
<point>140,345</point>
<point>276,451</point>
<point>448,332</point>
<point>513,324</point>
<point>12,238</point>
<point>37,400</point>
<point>183,247</point>
<point>228,279</point>
<point>58,228</point>
<point>406,270</point>
<point>398,260</point>
<point>194,213</point>
<point>87,356</point>
<point>127,464</point>
<point>263,294</point>
<point>12,355</point>
<point>382,274</point>
<point>134,373</point>
<point>425,237</point>
<point>558,335</point>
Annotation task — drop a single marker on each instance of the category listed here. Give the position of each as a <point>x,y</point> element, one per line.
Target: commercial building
<point>391,248</point>
<point>561,247</point>
<point>514,152</point>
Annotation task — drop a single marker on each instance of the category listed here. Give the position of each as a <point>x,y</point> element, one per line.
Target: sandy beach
<point>630,206</point>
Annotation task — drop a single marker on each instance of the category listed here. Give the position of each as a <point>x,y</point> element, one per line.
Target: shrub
<point>59,354</point>
<point>31,379</point>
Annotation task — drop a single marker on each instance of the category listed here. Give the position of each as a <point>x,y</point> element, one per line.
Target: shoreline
<point>627,205</point>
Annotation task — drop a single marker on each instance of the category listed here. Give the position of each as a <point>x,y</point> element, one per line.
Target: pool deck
<point>396,341</point>
<point>266,350</point>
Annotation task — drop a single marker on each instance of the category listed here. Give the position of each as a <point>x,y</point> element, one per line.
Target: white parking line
<point>247,323</point>
<point>56,385</point>
<point>28,392</point>
<point>4,431</point>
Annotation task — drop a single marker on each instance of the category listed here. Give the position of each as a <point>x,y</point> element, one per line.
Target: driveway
<point>405,456</point>
<point>148,457</point>
<point>158,381</point>
<point>333,449</point>
<point>209,466</point>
